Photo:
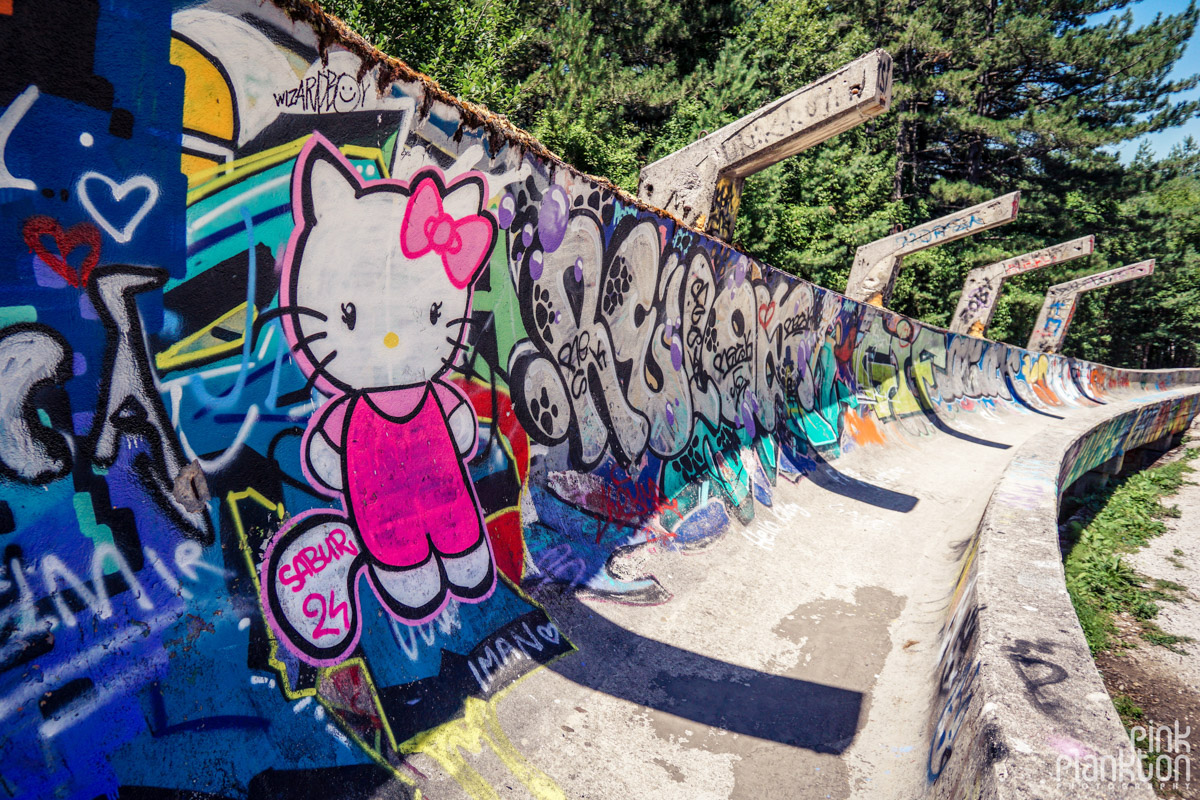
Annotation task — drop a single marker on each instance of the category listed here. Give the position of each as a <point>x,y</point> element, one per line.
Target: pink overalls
<point>407,487</point>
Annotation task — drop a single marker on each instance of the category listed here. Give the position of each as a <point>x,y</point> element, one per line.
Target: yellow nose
<point>391,340</point>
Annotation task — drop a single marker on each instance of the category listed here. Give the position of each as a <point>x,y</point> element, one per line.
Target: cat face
<point>379,273</point>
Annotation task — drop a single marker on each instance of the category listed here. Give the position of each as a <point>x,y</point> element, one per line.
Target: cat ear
<point>464,199</point>
<point>329,190</point>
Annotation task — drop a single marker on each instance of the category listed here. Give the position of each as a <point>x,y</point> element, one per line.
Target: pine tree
<point>1151,321</point>
<point>472,48</point>
<point>997,96</point>
<point>989,97</point>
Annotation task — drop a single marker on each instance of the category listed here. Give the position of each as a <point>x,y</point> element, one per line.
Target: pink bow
<point>463,243</point>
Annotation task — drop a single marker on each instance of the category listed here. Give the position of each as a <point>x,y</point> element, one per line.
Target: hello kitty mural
<point>377,335</point>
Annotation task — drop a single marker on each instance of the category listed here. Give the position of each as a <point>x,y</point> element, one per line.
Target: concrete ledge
<point>1021,709</point>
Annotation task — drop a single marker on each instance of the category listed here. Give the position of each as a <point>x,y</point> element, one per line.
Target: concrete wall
<point>1021,710</point>
<point>226,565</point>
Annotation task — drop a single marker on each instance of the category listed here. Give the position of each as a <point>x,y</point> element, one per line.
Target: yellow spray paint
<point>444,744</point>
<point>480,723</point>
<point>232,500</point>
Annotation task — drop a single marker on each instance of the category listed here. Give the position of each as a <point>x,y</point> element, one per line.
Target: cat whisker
<point>323,362</point>
<point>282,311</point>
<point>312,379</point>
<point>309,339</point>
<point>301,395</point>
<point>459,347</point>
<point>449,362</point>
<point>466,370</point>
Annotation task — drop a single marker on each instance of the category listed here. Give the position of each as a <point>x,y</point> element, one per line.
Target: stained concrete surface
<point>795,659</point>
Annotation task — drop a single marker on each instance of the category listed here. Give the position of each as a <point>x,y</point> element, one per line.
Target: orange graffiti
<point>1045,393</point>
<point>863,429</point>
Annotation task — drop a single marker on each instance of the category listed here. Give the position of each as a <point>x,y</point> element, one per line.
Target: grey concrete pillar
<point>1088,483</point>
<point>877,264</point>
<point>1050,330</point>
<point>702,183</point>
<point>981,290</point>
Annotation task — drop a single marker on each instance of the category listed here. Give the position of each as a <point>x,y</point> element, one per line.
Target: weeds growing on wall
<point>1117,521</point>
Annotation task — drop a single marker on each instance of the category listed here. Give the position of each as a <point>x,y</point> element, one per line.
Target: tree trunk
<point>905,134</point>
<point>983,103</point>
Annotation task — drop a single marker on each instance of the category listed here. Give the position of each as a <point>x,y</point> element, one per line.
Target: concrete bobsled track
<point>353,446</point>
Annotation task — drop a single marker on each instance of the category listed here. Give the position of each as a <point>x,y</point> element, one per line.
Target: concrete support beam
<point>877,264</point>
<point>702,183</point>
<point>1164,443</point>
<point>1145,456</point>
<point>1089,483</point>
<point>981,290</point>
<point>1058,308</point>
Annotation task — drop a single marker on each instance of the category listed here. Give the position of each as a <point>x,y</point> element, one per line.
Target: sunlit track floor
<point>796,658</point>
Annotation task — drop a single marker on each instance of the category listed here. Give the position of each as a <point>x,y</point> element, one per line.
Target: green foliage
<point>988,97</point>
<point>1131,713</point>
<point>1156,635</point>
<point>584,125</point>
<point>473,48</point>
<point>1099,581</point>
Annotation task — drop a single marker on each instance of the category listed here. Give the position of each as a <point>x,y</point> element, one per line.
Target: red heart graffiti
<point>766,313</point>
<point>85,233</point>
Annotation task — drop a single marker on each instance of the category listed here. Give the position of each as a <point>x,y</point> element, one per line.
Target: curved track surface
<point>796,657</point>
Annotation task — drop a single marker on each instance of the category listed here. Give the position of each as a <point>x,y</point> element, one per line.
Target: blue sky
<point>1162,142</point>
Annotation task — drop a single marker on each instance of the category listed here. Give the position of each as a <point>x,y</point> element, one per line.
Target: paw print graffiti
<point>616,286</point>
<point>518,214</point>
<point>540,399</point>
<point>543,313</point>
<point>600,201</point>
<point>544,410</point>
<point>691,463</point>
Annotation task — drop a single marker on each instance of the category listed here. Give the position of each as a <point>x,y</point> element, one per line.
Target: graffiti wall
<point>311,377</point>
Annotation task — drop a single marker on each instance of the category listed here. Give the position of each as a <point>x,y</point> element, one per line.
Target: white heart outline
<point>549,628</point>
<point>119,190</point>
